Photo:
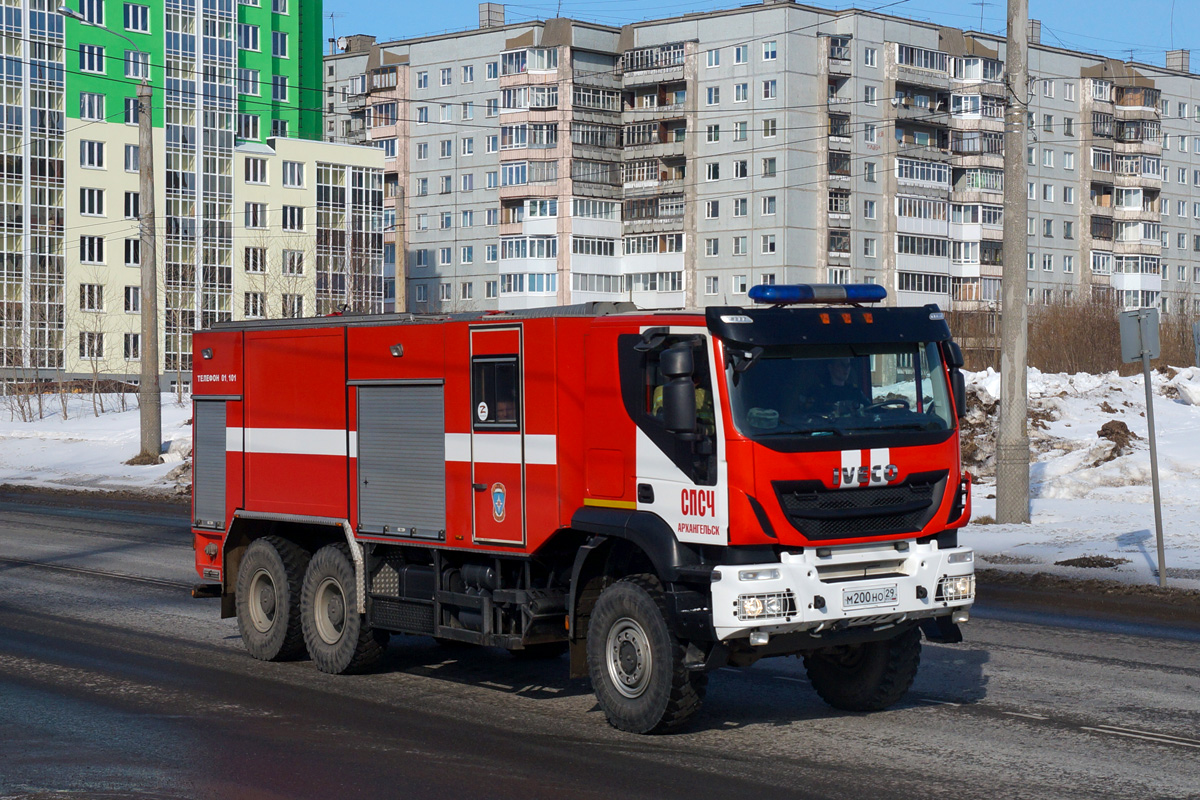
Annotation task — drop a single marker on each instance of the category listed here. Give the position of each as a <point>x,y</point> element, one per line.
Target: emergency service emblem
<point>498,502</point>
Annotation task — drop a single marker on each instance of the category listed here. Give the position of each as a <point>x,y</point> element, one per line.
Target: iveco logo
<point>876,473</point>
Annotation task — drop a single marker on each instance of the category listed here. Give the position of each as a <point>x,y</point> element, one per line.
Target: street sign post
<point>1139,342</point>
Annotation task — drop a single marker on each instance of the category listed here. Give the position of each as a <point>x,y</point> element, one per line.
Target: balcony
<point>647,65</point>
<point>840,57</point>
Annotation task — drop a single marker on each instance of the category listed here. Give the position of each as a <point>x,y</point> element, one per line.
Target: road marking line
<point>1027,716</point>
<point>1146,738</point>
<point>1180,739</point>
<point>786,678</point>
<point>938,702</point>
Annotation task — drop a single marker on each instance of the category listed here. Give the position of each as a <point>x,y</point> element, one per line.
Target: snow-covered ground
<point>1090,498</point>
<point>87,450</point>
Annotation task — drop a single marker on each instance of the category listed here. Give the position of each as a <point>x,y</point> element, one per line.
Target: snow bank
<point>87,450</point>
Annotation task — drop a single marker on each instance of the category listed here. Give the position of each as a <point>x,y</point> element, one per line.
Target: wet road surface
<point>115,683</point>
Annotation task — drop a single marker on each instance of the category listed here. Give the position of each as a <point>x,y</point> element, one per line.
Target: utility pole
<point>1012,441</point>
<point>149,396</point>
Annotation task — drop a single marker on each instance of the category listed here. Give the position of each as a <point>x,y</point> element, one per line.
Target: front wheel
<point>866,677</point>
<point>636,663</point>
<point>338,638</point>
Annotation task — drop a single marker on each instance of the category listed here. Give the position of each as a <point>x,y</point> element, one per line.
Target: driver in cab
<point>837,389</point>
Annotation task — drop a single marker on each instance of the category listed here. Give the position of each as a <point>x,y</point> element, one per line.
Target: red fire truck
<point>656,494</point>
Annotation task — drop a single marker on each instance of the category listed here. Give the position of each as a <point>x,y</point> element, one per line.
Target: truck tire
<point>339,639</point>
<point>268,599</point>
<point>635,661</point>
<point>866,677</point>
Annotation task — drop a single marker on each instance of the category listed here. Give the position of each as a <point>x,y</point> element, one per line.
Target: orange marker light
<point>868,317</point>
<point>846,319</point>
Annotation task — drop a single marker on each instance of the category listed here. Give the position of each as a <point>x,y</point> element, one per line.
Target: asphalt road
<point>115,683</point>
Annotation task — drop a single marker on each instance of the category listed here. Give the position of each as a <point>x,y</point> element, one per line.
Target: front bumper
<point>834,587</point>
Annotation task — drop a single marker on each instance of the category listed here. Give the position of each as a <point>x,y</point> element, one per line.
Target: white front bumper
<point>838,576</point>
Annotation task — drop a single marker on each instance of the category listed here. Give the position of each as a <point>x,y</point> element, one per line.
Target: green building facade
<point>223,72</point>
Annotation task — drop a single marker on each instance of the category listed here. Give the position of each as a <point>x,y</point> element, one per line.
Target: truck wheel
<point>268,599</point>
<point>339,639</point>
<point>866,677</point>
<point>636,662</point>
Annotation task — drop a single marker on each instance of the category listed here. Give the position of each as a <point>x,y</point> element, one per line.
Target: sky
<point>1107,27</point>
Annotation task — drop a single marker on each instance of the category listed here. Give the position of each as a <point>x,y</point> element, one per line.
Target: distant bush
<point>1070,336</point>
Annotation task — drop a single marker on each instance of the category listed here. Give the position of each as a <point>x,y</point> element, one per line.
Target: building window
<point>870,57</point>
<point>279,6</point>
<point>868,209</point>
<point>738,284</point>
<point>712,284</point>
<point>769,129</point>
<point>769,89</point>
<point>768,205</point>
<point>768,243</point>
<point>137,65</point>
<point>712,171</point>
<point>91,154</point>
<point>247,126</point>
<point>247,37</point>
<point>91,297</point>
<point>869,247</point>
<point>137,18</point>
<point>293,262</point>
<point>133,252</point>
<point>253,305</point>
<point>254,259</point>
<point>91,346</point>
<point>91,58</point>
<point>247,82</point>
<point>256,215</point>
<point>740,245</point>
<point>713,95</point>
<point>293,174</point>
<point>91,106</point>
<point>468,74</point>
<point>712,247</point>
<point>133,205</point>
<point>292,306</point>
<point>256,170</point>
<point>91,202</point>
<point>133,299</point>
<point>279,44</point>
<point>870,96</point>
<point>279,88</point>
<point>741,54</point>
<point>713,58</point>
<point>769,51</point>
<point>91,249</point>
<point>768,167</point>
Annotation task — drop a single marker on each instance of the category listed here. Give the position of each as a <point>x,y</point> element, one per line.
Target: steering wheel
<point>895,402</point>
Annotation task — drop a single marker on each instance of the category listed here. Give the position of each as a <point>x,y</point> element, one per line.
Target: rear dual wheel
<point>338,638</point>
<point>268,598</point>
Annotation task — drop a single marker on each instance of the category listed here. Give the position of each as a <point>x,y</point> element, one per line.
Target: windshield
<point>839,390</point>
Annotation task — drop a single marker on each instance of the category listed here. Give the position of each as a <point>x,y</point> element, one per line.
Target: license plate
<point>866,598</point>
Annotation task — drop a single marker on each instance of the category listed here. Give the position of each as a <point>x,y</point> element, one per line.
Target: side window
<point>642,385</point>
<point>495,393</point>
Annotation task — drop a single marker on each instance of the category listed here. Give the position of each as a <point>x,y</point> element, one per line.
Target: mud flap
<point>941,630</point>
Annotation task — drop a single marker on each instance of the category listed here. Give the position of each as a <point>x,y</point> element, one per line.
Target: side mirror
<point>958,385</point>
<point>953,355</point>
<point>677,362</point>
<point>679,405</point>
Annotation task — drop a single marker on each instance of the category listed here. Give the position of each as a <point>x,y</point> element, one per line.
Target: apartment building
<point>231,82</point>
<point>678,162</point>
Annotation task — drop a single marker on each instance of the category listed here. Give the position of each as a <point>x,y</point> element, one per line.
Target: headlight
<point>952,588</point>
<point>758,575</point>
<point>965,557</point>
<point>769,605</point>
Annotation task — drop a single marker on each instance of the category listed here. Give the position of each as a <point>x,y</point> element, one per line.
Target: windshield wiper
<point>805,432</point>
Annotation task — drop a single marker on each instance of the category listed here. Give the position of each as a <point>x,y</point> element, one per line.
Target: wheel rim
<point>329,611</point>
<point>264,601</point>
<point>629,659</point>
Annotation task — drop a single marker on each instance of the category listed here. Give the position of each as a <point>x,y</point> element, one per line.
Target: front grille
<point>822,513</point>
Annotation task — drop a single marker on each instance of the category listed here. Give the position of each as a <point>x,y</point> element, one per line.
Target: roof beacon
<point>812,293</point>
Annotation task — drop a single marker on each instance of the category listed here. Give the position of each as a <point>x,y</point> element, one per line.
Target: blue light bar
<point>800,293</point>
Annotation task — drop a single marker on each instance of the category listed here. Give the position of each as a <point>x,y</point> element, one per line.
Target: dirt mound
<point>1093,562</point>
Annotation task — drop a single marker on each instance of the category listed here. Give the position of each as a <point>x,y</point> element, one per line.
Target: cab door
<point>497,435</point>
